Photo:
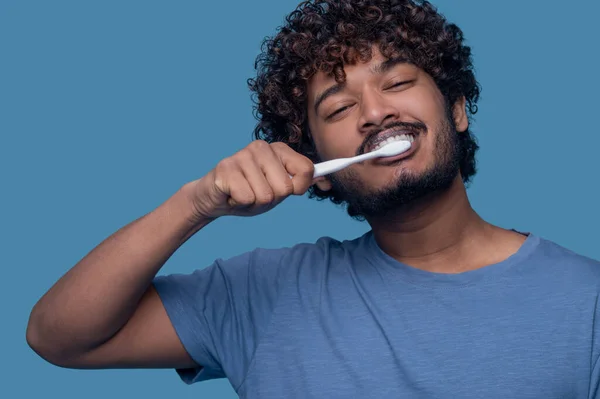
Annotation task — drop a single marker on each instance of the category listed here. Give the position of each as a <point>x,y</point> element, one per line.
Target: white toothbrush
<point>388,150</point>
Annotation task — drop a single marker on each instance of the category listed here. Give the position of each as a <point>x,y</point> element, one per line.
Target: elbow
<point>42,343</point>
<point>35,339</point>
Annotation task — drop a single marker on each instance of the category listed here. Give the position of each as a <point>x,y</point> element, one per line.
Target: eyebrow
<point>336,88</point>
<point>377,69</point>
<point>386,65</point>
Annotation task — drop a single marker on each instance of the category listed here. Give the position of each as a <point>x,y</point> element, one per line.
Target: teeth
<point>401,137</point>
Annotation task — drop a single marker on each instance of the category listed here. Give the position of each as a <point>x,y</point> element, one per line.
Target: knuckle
<point>265,197</point>
<point>308,167</point>
<point>306,170</point>
<point>244,199</point>
<point>225,166</point>
<point>288,187</point>
<point>279,146</point>
<point>259,145</point>
<point>284,189</point>
<point>224,163</point>
<point>243,155</point>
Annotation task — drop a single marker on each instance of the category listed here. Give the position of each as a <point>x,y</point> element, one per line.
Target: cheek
<point>336,142</point>
<point>427,106</point>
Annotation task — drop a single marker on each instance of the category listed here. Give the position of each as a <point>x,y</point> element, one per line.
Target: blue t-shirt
<point>345,320</point>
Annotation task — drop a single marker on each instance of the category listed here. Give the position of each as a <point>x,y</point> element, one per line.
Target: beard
<point>408,188</point>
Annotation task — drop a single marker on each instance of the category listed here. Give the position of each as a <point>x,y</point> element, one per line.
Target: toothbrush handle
<point>327,167</point>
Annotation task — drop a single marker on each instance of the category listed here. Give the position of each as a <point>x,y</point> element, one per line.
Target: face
<point>384,100</point>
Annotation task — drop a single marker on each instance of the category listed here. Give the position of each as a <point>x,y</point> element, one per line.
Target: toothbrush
<point>388,150</point>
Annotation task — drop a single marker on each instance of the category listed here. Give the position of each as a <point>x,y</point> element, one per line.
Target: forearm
<point>94,299</point>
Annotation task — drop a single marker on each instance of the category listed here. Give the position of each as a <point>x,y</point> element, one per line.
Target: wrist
<point>179,218</point>
<point>189,205</point>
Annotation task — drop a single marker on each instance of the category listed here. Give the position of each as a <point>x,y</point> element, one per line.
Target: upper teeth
<point>400,137</point>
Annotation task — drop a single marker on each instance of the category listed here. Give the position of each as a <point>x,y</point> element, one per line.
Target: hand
<point>251,182</point>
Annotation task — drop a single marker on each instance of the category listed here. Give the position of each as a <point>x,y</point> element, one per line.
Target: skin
<point>104,312</point>
<point>441,233</point>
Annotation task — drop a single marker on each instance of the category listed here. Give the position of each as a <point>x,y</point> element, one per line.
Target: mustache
<point>412,127</point>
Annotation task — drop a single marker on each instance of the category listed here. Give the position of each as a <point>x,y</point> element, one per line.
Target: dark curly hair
<point>323,35</point>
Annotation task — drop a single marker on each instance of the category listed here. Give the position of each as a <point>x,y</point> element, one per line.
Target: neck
<point>436,234</point>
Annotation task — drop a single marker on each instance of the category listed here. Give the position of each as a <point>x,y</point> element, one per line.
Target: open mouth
<point>393,160</point>
<point>399,137</point>
<point>390,137</point>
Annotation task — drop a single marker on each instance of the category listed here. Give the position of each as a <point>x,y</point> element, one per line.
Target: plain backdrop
<point>107,108</point>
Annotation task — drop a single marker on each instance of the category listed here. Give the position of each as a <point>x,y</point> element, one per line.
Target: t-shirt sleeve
<point>220,312</point>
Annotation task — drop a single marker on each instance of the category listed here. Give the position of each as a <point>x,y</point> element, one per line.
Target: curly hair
<point>325,35</point>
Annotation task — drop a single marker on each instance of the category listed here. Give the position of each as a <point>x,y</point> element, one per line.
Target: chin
<point>394,181</point>
<point>404,172</point>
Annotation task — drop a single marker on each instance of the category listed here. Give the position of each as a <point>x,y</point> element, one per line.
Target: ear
<point>323,183</point>
<point>459,113</point>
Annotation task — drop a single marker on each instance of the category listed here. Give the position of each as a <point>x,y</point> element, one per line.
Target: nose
<point>376,111</point>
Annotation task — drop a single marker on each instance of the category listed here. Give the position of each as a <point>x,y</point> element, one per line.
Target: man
<point>432,302</point>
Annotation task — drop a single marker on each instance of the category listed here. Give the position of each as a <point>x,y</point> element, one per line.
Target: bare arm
<point>103,312</point>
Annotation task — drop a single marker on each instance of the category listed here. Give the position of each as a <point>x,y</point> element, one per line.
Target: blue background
<point>107,108</point>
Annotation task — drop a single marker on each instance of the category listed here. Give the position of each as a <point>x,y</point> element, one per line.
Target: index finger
<point>299,167</point>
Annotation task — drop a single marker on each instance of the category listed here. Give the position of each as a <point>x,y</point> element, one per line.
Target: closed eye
<point>398,84</point>
<point>338,111</point>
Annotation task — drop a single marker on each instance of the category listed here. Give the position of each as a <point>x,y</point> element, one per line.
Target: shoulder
<point>566,264</point>
<point>304,257</point>
<point>556,253</point>
<point>321,250</point>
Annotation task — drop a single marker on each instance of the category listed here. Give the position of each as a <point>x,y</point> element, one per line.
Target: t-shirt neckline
<point>421,277</point>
